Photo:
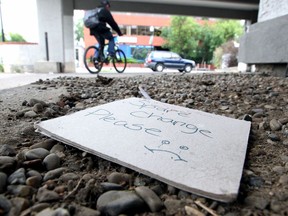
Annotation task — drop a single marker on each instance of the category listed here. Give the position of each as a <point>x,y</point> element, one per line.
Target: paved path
<point>12,80</point>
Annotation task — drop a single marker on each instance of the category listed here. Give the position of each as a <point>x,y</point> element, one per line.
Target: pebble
<point>44,195</point>
<point>83,211</point>
<point>119,178</point>
<point>7,163</point>
<point>46,144</point>
<point>5,205</point>
<point>152,200</point>
<point>257,202</point>
<point>7,150</point>
<point>30,114</point>
<point>20,190</point>
<point>18,177</point>
<point>38,153</point>
<point>38,108</point>
<point>51,161</point>
<point>69,176</point>
<point>3,182</point>
<point>275,125</point>
<point>19,204</point>
<point>120,202</point>
<point>107,186</point>
<point>52,212</point>
<point>283,180</point>
<point>52,174</point>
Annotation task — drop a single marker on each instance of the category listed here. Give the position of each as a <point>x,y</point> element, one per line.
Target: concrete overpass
<point>55,18</point>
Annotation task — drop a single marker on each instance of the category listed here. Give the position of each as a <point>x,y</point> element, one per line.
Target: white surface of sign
<point>192,150</point>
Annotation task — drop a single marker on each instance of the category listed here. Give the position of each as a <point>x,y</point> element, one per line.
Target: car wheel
<point>159,67</point>
<point>188,68</point>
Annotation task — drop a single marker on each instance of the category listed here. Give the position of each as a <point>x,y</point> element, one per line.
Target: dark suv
<point>158,60</point>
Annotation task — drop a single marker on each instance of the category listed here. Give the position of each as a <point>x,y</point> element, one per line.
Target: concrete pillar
<point>55,17</point>
<point>265,44</point>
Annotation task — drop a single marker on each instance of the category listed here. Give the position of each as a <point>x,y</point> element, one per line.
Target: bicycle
<point>94,64</point>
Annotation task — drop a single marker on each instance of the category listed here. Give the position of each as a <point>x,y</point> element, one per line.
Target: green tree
<point>79,30</point>
<point>182,36</point>
<point>198,41</point>
<point>15,37</point>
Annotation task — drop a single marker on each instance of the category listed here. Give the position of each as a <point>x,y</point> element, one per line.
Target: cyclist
<point>102,32</point>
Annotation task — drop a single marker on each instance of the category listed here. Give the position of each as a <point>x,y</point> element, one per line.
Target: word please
<point>107,116</point>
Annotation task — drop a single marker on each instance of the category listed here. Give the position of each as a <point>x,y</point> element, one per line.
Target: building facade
<point>141,33</point>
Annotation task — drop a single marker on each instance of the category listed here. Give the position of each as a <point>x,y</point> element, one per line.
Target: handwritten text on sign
<point>144,110</point>
<point>195,151</point>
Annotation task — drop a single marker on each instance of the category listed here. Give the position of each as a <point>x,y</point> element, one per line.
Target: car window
<point>175,56</point>
<point>166,55</point>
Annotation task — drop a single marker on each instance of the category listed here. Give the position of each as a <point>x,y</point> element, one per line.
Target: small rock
<point>152,200</point>
<point>257,202</point>
<point>7,163</point>
<point>38,153</point>
<point>5,205</point>
<point>3,182</point>
<point>38,108</point>
<point>34,101</point>
<point>69,176</point>
<point>119,178</point>
<point>51,161</point>
<point>30,114</point>
<point>34,181</point>
<point>20,190</point>
<point>273,137</point>
<point>283,180</point>
<point>19,204</point>
<point>83,211</point>
<point>173,206</point>
<point>47,144</point>
<point>255,181</point>
<point>18,177</point>
<point>44,195</point>
<point>7,150</point>
<point>56,212</point>
<point>52,174</point>
<point>120,202</point>
<point>107,186</point>
<point>275,125</point>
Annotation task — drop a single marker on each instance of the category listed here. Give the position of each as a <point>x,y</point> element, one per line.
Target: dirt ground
<point>262,99</point>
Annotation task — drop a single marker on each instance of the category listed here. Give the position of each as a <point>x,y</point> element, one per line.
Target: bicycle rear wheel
<point>119,61</point>
<point>90,60</point>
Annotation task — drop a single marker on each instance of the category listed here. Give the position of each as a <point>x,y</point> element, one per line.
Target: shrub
<point>227,50</point>
<point>1,68</point>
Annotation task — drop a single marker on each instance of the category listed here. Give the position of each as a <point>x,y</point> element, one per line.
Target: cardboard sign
<point>192,150</point>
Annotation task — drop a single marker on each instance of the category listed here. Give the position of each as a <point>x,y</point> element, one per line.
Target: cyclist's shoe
<point>101,59</point>
<point>111,55</point>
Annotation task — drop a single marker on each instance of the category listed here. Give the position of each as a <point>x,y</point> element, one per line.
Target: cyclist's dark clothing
<point>102,32</point>
<point>105,16</point>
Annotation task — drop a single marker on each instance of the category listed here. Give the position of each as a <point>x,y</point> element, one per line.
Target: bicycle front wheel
<point>90,60</point>
<point>119,61</point>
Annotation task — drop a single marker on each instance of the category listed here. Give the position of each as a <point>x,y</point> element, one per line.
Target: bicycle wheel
<point>119,61</point>
<point>90,60</point>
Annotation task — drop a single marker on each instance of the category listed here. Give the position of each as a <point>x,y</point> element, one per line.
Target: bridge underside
<point>232,9</point>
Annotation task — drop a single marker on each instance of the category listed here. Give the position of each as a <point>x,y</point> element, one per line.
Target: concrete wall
<point>18,57</point>
<point>265,44</point>
<point>56,18</point>
<point>270,9</point>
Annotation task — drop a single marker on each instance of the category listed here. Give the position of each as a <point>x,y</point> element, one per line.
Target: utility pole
<point>2,29</point>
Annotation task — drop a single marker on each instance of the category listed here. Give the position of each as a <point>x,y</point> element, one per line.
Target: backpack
<point>91,18</point>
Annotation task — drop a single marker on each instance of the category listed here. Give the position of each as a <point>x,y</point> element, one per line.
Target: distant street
<point>12,80</point>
